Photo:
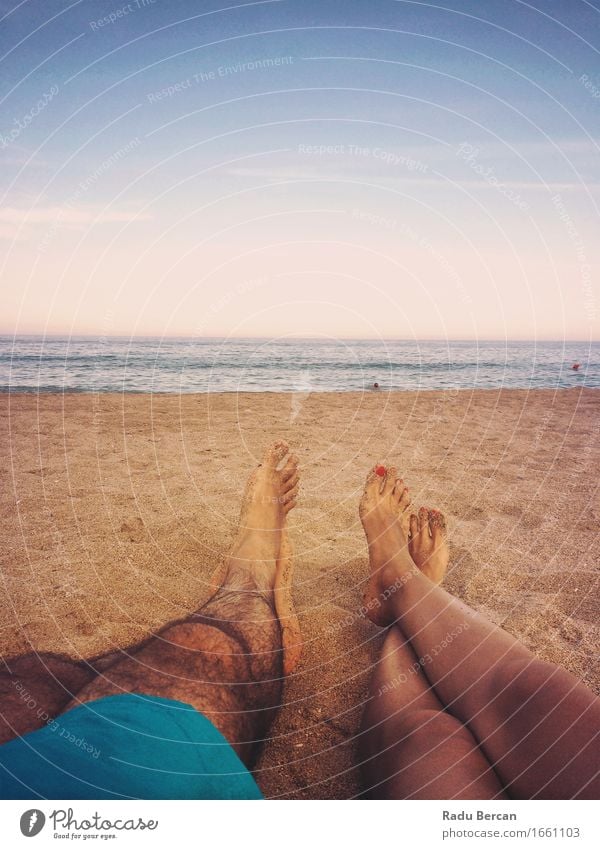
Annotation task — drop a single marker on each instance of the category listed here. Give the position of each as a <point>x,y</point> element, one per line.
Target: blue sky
<point>339,168</point>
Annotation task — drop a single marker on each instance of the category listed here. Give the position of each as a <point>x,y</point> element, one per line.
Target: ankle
<point>390,558</point>
<point>250,575</point>
<point>392,575</point>
<point>254,544</point>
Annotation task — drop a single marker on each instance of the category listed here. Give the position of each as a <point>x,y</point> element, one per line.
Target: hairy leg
<point>536,723</point>
<point>226,659</point>
<point>410,747</point>
<point>35,687</point>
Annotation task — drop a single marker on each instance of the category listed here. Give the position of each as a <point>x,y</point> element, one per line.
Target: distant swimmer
<point>375,386</point>
<point>576,366</point>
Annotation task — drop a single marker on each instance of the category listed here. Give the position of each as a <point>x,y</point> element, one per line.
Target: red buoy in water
<point>576,366</point>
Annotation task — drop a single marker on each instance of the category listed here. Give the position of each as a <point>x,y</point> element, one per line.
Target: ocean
<point>84,364</point>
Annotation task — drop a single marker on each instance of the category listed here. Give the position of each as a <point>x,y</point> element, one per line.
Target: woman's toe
<point>373,482</point>
<point>404,499</point>
<point>398,490</point>
<point>389,481</point>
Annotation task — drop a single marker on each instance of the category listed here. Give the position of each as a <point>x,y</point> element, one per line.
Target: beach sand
<point>116,509</point>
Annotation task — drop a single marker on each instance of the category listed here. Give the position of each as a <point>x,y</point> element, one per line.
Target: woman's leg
<point>410,748</point>
<point>536,723</point>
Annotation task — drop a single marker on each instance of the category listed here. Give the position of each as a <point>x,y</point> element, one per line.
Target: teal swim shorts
<point>128,746</point>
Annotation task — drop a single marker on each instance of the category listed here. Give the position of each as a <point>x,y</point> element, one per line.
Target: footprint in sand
<point>470,512</point>
<point>134,529</point>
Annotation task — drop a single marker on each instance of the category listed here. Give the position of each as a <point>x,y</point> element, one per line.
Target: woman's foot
<point>383,513</point>
<point>270,494</point>
<point>427,543</point>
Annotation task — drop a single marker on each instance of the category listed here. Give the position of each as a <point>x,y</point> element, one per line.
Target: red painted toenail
<point>380,470</point>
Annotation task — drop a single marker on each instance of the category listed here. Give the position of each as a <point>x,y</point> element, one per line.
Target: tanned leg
<point>410,747</point>
<point>35,687</point>
<point>536,723</point>
<point>226,659</point>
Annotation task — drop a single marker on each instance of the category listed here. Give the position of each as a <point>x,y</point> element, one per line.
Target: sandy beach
<point>116,509</point>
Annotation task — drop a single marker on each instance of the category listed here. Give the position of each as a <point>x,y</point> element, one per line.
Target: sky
<point>380,168</point>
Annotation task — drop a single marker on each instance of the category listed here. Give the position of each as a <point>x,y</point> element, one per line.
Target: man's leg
<point>226,659</point>
<point>537,725</point>
<point>35,687</point>
<point>410,747</point>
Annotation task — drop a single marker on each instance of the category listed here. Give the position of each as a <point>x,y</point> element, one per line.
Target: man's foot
<point>269,496</point>
<point>382,512</point>
<point>261,555</point>
<point>291,636</point>
<point>427,543</point>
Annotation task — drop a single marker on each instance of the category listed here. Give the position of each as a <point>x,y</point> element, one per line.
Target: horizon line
<point>97,336</point>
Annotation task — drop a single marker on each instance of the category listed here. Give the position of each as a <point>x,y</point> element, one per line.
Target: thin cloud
<point>315,172</point>
<point>21,223</point>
